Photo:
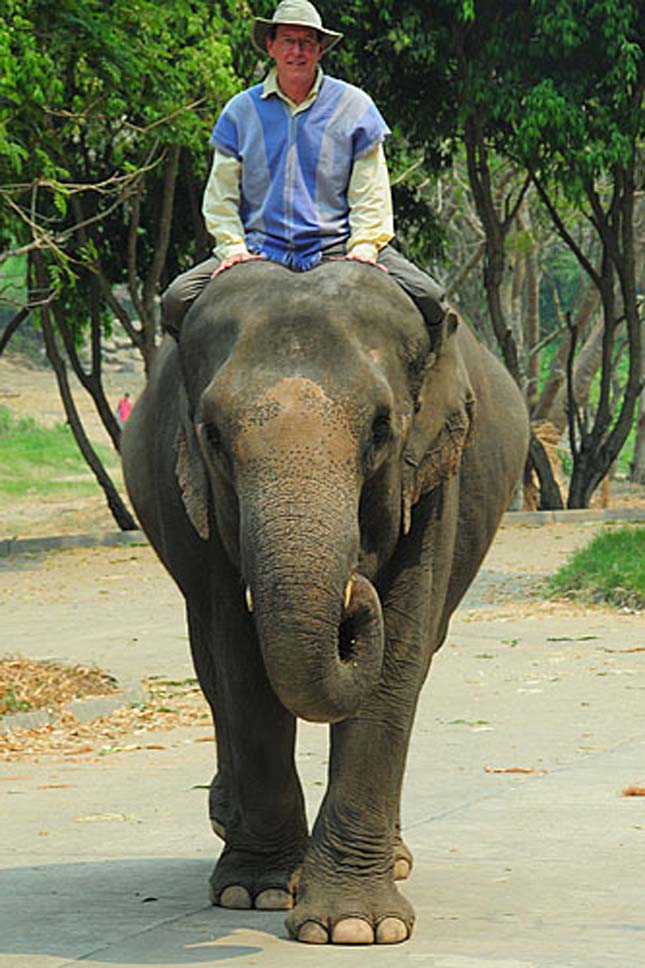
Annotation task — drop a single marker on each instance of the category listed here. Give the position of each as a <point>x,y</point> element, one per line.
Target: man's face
<point>296,51</point>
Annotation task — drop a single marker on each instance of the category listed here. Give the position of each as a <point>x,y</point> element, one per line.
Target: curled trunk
<point>320,624</point>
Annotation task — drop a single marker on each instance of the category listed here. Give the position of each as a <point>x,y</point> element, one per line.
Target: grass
<point>37,460</point>
<point>611,568</point>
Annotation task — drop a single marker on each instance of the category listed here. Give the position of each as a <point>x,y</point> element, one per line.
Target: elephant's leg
<point>256,796</point>
<point>219,799</point>
<point>347,893</point>
<point>265,826</point>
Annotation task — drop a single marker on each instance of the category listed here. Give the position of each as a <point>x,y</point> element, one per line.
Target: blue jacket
<point>296,168</point>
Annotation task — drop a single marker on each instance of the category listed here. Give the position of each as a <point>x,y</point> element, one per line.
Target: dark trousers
<point>423,290</point>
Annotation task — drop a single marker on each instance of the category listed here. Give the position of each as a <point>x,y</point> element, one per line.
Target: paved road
<point>105,862</point>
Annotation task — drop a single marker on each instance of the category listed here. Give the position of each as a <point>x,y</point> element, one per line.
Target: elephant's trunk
<point>320,625</point>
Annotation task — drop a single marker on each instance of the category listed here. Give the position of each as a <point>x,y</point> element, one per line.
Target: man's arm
<point>370,207</point>
<point>221,206</point>
<point>221,211</point>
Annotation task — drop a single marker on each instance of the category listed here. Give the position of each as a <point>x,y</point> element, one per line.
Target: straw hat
<point>296,13</point>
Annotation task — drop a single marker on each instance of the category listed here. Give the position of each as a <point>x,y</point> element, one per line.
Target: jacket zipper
<point>290,179</point>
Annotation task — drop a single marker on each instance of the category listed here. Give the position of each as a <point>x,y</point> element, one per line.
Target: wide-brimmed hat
<point>296,13</point>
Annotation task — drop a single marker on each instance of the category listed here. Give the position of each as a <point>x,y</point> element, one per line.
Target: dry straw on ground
<point>53,685</point>
<point>27,685</point>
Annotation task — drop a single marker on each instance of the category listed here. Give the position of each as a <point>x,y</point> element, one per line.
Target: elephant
<point>322,474</point>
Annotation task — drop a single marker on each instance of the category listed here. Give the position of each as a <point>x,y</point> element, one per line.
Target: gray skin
<point>322,476</point>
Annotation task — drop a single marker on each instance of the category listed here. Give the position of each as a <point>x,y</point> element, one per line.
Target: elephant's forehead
<point>299,412</point>
<point>297,391</point>
<point>298,398</point>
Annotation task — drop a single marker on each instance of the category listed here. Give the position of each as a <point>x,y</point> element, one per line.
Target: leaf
<point>100,817</point>
<point>568,638</point>
<point>467,722</point>
<point>513,769</point>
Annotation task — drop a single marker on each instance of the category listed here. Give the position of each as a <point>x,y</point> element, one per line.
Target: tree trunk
<point>585,368</point>
<point>150,288</point>
<point>121,515</point>
<point>496,231</point>
<point>637,467</point>
<point>550,497</point>
<point>557,378</point>
<point>531,314</point>
<point>595,447</point>
<point>13,326</point>
<point>92,382</point>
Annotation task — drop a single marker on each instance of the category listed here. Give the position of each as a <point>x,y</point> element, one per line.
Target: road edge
<point>63,542</point>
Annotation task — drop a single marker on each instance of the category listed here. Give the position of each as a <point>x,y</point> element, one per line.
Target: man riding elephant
<point>299,174</point>
<point>321,468</point>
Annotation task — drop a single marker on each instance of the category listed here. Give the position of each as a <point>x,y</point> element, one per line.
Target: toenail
<point>391,931</point>
<point>235,897</point>
<point>352,931</point>
<point>274,899</point>
<point>313,933</point>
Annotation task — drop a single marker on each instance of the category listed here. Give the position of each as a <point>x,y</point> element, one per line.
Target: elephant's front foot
<point>245,879</point>
<point>357,912</point>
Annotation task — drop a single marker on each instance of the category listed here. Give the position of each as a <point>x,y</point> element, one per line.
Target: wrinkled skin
<point>322,477</point>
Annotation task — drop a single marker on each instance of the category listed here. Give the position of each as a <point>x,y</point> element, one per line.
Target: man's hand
<point>358,257</point>
<point>240,257</point>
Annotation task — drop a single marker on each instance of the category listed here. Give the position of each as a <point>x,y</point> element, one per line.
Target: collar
<point>271,86</point>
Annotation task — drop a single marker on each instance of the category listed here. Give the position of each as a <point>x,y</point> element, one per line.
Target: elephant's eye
<point>381,431</point>
<point>213,437</point>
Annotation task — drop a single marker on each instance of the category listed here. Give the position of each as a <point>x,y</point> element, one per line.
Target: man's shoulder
<point>242,98</point>
<point>335,84</point>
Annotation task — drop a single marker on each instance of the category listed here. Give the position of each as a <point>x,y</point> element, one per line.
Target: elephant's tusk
<point>348,593</point>
<point>248,598</point>
<point>407,514</point>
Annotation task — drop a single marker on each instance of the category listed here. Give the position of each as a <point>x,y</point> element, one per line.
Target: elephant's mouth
<point>353,672</point>
<point>360,634</point>
<point>324,673</point>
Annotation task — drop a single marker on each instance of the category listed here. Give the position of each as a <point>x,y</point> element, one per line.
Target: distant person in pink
<point>123,408</point>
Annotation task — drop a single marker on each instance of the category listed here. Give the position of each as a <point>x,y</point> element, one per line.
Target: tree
<point>578,136</point>
<point>554,88</point>
<point>105,112</point>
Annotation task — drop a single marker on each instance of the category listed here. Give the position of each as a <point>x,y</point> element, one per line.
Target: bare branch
<point>474,260</point>
<point>512,212</point>
<point>127,125</point>
<point>564,233</point>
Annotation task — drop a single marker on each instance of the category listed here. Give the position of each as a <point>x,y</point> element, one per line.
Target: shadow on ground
<point>88,911</point>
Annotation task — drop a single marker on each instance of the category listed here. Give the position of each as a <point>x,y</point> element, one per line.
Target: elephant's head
<point>317,411</point>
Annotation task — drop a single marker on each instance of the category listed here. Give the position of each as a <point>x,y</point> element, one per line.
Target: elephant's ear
<point>442,424</point>
<point>191,472</point>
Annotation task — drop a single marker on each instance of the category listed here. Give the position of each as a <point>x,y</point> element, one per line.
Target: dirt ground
<point>31,391</point>
<point>528,739</point>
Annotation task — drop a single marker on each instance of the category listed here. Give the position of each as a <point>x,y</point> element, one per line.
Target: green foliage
<point>560,270</point>
<point>39,460</point>
<point>554,82</point>
<point>91,93</point>
<point>609,569</point>
<point>9,703</point>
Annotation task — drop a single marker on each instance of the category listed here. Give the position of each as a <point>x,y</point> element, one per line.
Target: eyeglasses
<point>306,45</point>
